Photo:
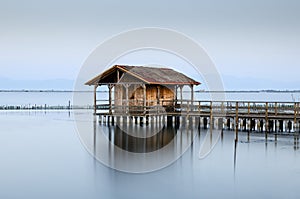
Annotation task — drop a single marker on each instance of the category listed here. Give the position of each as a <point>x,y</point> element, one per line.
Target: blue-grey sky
<point>247,40</point>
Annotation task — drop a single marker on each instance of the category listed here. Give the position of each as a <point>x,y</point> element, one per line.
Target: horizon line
<point>197,91</point>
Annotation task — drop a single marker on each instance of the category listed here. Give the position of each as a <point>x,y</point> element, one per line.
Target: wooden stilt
<point>236,120</point>
<point>95,99</point>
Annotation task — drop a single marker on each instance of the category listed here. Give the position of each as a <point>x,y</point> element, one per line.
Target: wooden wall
<point>164,97</point>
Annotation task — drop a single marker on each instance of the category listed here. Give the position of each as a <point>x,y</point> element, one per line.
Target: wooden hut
<point>136,90</point>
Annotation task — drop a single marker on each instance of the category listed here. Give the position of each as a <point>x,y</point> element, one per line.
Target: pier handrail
<point>187,107</point>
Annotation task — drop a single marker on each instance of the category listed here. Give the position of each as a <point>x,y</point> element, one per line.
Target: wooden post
<point>175,94</point>
<point>95,99</point>
<point>298,106</point>
<point>181,94</point>
<point>118,75</point>
<point>295,115</point>
<point>175,98</point>
<point>192,94</point>
<point>248,108</point>
<point>144,98</point>
<point>109,98</point>
<point>267,123</point>
<point>127,98</point>
<point>236,120</point>
<point>158,95</point>
<point>211,115</point>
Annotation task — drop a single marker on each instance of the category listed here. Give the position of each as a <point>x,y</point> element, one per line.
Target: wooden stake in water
<point>267,123</point>
<point>236,120</point>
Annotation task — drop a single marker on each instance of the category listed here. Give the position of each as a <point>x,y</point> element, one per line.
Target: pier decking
<point>241,115</point>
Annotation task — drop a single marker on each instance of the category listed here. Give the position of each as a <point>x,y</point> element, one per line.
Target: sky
<point>254,44</point>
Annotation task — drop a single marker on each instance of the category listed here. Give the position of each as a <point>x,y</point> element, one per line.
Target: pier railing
<point>262,116</point>
<point>202,108</point>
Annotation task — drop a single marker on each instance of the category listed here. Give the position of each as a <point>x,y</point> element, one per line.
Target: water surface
<point>42,157</point>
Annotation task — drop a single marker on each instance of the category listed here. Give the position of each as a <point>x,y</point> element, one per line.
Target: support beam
<point>192,94</point>
<point>248,108</point>
<point>211,115</point>
<point>95,99</point>
<point>118,75</point>
<point>295,115</point>
<point>181,98</point>
<point>158,95</point>
<point>267,122</point>
<point>127,98</point>
<point>144,98</point>
<point>236,120</point>
<point>175,97</point>
<point>110,98</point>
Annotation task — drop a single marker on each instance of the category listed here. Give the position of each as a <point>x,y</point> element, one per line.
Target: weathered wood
<point>236,120</point>
<point>95,99</point>
<point>211,115</point>
<point>266,118</point>
<point>110,98</point>
<point>144,97</point>
<point>270,114</point>
<point>127,98</point>
<point>158,95</point>
<point>248,108</point>
<point>118,75</point>
<point>175,94</point>
<point>192,94</point>
<point>181,98</point>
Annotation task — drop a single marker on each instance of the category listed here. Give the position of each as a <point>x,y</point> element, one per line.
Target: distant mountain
<point>49,84</point>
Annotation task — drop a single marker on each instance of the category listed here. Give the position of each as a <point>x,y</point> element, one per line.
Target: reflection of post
<point>222,135</point>
<point>94,135</point>
<point>248,136</point>
<point>234,154</point>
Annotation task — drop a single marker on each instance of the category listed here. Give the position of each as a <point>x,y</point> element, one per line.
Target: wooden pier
<point>232,115</point>
<point>150,95</point>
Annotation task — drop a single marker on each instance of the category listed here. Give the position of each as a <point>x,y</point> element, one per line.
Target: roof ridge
<point>148,74</point>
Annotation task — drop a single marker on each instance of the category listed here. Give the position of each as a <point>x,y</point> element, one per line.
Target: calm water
<point>42,157</point>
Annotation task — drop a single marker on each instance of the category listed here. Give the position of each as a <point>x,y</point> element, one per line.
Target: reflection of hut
<point>136,89</point>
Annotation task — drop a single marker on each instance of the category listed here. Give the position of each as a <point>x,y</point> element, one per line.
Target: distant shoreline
<point>197,91</point>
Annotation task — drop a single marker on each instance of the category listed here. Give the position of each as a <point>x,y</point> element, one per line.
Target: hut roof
<point>149,75</point>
